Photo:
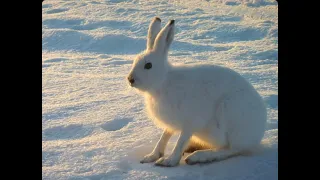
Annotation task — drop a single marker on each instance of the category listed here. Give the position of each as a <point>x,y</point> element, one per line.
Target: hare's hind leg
<point>207,156</point>
<point>193,146</point>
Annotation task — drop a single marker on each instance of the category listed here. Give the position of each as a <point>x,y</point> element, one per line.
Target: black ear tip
<point>171,22</point>
<point>158,19</point>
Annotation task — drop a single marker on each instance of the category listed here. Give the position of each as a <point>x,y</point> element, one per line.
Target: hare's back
<point>206,76</point>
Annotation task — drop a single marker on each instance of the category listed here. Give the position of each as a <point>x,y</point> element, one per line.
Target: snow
<point>95,127</point>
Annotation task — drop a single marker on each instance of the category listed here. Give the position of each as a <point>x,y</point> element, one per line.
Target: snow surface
<point>94,126</point>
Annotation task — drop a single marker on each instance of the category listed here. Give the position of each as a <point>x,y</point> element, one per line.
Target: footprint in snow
<point>116,124</point>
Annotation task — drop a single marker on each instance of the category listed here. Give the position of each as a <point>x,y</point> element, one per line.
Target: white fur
<point>212,105</point>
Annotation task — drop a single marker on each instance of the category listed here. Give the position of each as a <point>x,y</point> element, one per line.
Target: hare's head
<point>150,68</point>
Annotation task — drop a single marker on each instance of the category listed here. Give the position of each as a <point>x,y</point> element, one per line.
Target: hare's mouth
<point>132,84</point>
<point>136,85</point>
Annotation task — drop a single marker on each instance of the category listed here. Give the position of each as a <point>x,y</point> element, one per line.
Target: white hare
<point>216,111</point>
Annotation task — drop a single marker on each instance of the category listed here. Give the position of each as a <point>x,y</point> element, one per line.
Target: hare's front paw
<point>151,157</point>
<point>167,162</point>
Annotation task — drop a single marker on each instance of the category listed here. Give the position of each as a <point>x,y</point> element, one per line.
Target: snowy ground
<point>95,127</point>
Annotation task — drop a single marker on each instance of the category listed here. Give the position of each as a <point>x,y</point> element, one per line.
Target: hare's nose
<point>131,79</point>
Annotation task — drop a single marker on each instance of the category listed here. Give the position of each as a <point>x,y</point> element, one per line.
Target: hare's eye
<point>148,66</point>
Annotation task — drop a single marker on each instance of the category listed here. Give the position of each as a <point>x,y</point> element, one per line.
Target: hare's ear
<point>164,38</point>
<point>154,29</point>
